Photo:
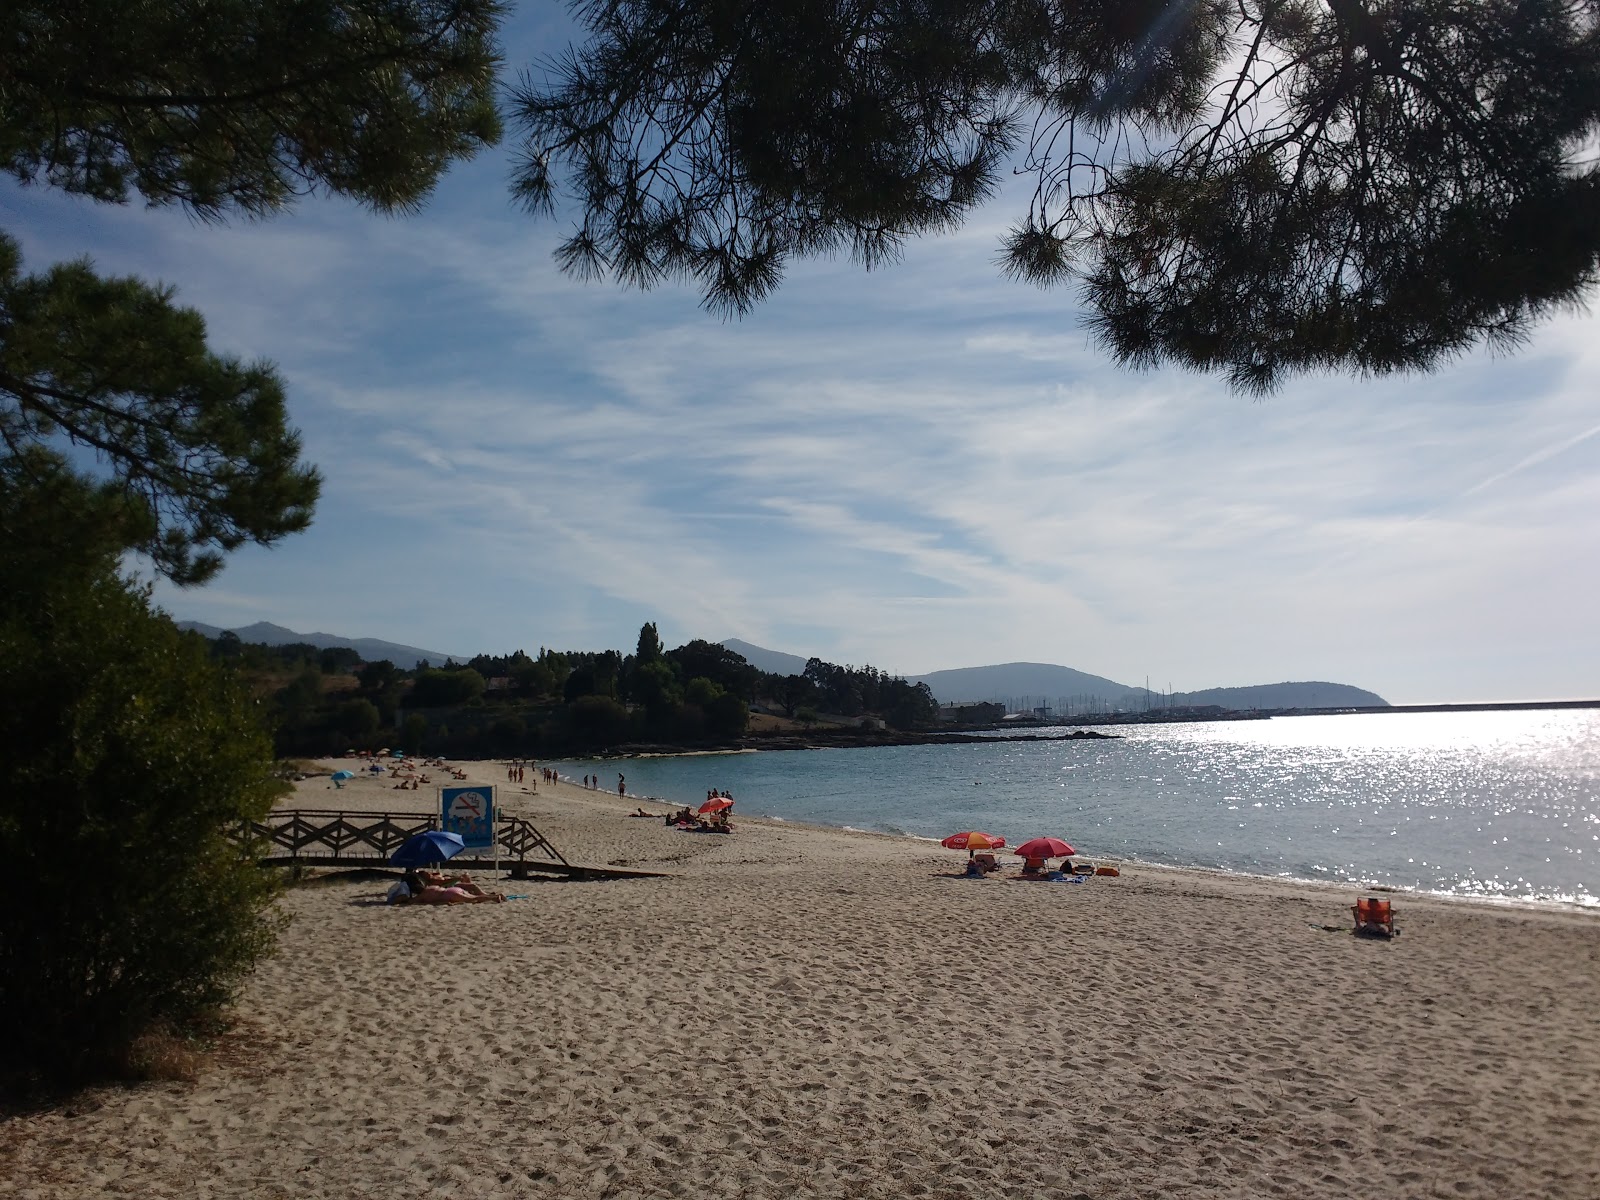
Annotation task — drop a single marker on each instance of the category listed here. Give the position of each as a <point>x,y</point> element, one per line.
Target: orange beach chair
<point>1374,917</point>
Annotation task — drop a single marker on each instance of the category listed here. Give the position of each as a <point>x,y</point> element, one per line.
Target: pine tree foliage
<point>199,441</point>
<point>241,105</point>
<point>222,107</point>
<point>1258,187</point>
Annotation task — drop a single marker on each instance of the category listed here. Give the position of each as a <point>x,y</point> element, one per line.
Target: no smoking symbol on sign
<point>468,806</point>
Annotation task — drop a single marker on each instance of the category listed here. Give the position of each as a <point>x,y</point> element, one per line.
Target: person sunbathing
<point>463,881</point>
<point>453,895</point>
<point>433,888</point>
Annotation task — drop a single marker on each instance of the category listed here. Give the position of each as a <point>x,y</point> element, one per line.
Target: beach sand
<point>800,1012</point>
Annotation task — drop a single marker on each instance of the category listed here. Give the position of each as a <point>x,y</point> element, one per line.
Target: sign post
<point>470,812</point>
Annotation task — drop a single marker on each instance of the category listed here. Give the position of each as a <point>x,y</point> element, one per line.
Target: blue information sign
<point>468,811</point>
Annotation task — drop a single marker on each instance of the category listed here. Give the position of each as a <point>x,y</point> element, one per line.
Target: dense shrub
<point>441,689</point>
<point>596,721</point>
<point>129,762</point>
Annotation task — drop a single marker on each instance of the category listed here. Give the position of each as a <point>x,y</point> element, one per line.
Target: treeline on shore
<point>326,701</point>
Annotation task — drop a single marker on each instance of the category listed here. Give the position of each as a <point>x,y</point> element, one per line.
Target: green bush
<point>413,732</point>
<point>596,721</point>
<point>129,762</point>
<point>442,689</point>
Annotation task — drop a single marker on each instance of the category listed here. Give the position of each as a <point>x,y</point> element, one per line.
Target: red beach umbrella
<point>1044,847</point>
<point>717,805</point>
<point>973,840</point>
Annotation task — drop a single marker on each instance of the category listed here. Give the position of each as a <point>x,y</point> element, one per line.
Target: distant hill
<point>371,649</point>
<point>1043,682</point>
<point>1024,684</point>
<point>1286,695</point>
<point>774,662</point>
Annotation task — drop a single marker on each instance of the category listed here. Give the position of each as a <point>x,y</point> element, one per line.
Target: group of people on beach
<point>517,772</point>
<point>712,817</point>
<point>687,818</point>
<point>981,865</point>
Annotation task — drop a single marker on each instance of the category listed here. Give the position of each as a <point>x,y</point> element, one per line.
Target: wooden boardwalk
<point>324,837</point>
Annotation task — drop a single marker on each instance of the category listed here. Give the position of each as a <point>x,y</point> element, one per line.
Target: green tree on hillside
<point>1258,187</point>
<point>414,733</point>
<point>714,661</point>
<point>592,674</point>
<point>378,676</point>
<point>443,689</point>
<point>358,721</point>
<point>649,650</point>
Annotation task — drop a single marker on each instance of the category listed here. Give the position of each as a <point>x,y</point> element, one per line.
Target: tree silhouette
<point>1253,186</point>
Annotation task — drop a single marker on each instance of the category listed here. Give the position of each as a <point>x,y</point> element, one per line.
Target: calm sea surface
<point>1491,804</point>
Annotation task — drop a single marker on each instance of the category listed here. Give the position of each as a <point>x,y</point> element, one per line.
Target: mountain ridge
<point>1025,683</point>
<point>1052,685</point>
<point>370,649</point>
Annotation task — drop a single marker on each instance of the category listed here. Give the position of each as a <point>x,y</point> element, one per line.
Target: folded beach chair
<point>1374,917</point>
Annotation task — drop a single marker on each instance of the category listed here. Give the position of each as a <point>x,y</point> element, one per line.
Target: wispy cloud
<point>924,466</point>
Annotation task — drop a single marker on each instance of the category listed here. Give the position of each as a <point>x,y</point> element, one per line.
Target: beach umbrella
<point>973,840</point>
<point>344,774</point>
<point>1044,847</point>
<point>717,805</point>
<point>431,846</point>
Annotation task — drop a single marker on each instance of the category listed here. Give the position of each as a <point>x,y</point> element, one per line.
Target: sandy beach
<point>809,1012</point>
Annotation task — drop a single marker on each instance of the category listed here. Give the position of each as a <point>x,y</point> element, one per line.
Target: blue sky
<point>922,467</point>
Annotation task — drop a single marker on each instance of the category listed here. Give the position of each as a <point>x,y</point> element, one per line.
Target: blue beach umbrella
<point>430,847</point>
<point>344,774</point>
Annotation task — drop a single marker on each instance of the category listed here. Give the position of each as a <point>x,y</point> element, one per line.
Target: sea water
<point>1485,804</point>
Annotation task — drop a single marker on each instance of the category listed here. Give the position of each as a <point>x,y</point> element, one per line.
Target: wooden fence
<point>321,837</point>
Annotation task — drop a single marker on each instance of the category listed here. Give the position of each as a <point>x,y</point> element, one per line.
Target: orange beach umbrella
<point>717,805</point>
<point>973,840</point>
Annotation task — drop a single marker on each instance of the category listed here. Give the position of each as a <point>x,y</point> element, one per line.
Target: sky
<point>921,467</point>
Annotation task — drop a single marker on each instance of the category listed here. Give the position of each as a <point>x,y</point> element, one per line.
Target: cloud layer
<point>921,467</point>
